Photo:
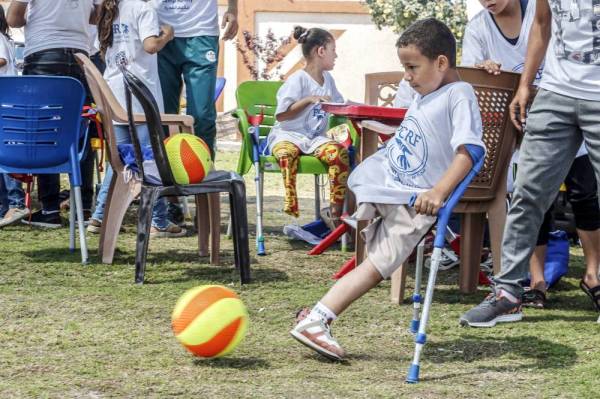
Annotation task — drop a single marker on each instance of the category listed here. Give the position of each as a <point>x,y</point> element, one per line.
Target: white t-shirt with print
<point>573,55</point>
<point>189,18</point>
<point>7,52</point>
<point>484,41</point>
<point>57,24</point>
<point>137,21</point>
<point>424,145</point>
<point>307,129</point>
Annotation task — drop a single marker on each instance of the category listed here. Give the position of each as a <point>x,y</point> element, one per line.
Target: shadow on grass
<point>242,363</point>
<point>543,354</point>
<point>187,264</point>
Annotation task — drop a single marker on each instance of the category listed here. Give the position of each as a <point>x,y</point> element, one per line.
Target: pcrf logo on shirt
<point>120,33</point>
<point>315,120</point>
<point>407,152</point>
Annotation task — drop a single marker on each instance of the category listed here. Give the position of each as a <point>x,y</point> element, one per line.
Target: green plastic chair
<point>254,97</point>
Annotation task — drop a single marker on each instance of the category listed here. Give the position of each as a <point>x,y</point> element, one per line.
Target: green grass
<point>87,331</point>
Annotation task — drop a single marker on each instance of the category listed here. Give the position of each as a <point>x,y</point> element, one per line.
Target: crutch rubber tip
<point>260,249</point>
<point>413,374</point>
<point>414,326</point>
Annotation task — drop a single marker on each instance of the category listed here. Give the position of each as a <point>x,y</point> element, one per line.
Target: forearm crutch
<point>477,156</point>
<point>254,132</point>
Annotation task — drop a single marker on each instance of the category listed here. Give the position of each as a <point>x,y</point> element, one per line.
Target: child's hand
<point>490,66</point>
<point>317,99</point>
<point>429,202</point>
<point>167,32</point>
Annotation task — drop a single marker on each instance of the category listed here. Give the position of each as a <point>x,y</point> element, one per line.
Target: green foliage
<point>399,14</point>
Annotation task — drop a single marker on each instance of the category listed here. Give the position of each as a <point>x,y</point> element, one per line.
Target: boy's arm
<point>539,37</point>
<point>430,202</point>
<point>3,62</point>
<point>16,14</point>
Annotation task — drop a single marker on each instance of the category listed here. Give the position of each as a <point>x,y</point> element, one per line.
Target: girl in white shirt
<point>129,35</point>
<point>301,123</point>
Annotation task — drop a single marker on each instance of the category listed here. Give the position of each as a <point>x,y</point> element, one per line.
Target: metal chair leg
<point>79,209</point>
<point>317,198</point>
<point>72,219</point>
<point>421,337</point>
<point>417,298</point>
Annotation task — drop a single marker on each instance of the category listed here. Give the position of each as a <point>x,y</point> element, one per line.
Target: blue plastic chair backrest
<point>40,121</point>
<point>219,86</point>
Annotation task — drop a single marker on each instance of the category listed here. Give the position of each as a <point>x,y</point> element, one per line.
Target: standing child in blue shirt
<point>426,156</point>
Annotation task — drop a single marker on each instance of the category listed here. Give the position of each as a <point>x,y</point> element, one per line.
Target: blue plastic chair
<point>41,130</point>
<point>419,322</point>
<point>219,86</point>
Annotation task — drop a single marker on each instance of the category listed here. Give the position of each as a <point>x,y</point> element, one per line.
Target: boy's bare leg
<point>590,241</point>
<point>536,268</point>
<point>351,287</point>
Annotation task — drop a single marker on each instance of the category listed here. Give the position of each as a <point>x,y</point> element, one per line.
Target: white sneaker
<point>14,215</point>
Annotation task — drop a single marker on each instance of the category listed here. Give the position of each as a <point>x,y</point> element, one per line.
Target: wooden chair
<point>122,193</point>
<point>381,87</point>
<point>494,94</point>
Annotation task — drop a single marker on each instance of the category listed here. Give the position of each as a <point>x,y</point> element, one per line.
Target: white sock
<point>508,296</point>
<point>322,312</point>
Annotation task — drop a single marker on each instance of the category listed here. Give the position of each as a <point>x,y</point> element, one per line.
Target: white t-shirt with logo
<point>57,24</point>
<point>7,52</point>
<point>573,56</point>
<point>424,145</point>
<point>137,21</point>
<point>189,18</point>
<point>484,41</point>
<point>307,129</point>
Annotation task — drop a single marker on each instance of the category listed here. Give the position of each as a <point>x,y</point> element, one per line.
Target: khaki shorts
<point>393,235</point>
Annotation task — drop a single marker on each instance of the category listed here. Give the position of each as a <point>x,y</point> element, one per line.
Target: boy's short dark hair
<point>432,37</point>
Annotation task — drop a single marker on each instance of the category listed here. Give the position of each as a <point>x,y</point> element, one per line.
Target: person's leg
<point>14,192</point>
<point>390,239</point>
<point>200,76</point>
<point>15,201</point>
<point>169,72</point>
<point>170,60</point>
<point>287,155</point>
<point>551,141</point>
<point>582,195</point>
<point>336,157</point>
<point>3,197</point>
<point>122,137</point>
<point>538,258</point>
<point>56,62</point>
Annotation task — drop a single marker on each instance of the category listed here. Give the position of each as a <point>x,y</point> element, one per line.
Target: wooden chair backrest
<point>381,87</point>
<point>494,94</point>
